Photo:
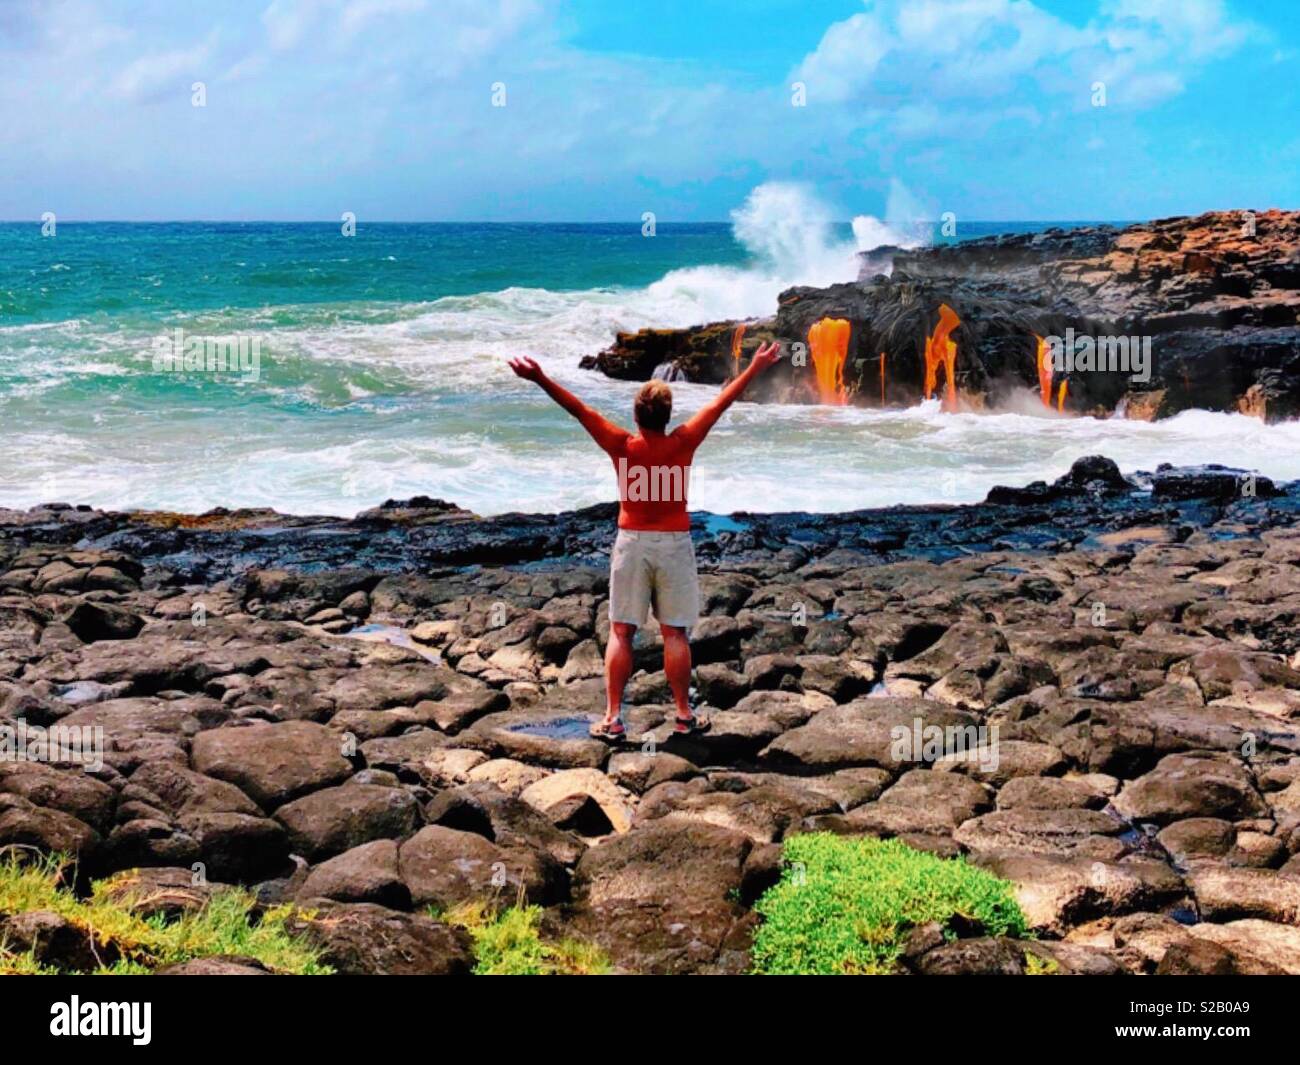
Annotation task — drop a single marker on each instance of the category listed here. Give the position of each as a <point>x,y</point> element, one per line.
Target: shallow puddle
<point>391,634</point>
<point>720,523</point>
<point>555,728</point>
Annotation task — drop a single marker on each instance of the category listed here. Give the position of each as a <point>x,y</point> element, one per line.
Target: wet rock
<point>557,738</point>
<point>1208,482</point>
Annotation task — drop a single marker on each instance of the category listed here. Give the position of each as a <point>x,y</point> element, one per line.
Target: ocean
<point>382,370</point>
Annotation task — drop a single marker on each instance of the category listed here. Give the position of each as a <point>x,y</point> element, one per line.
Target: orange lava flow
<point>939,349</point>
<point>1061,394</point>
<point>1044,372</point>
<point>829,342</point>
<point>736,338</point>
<point>882,378</point>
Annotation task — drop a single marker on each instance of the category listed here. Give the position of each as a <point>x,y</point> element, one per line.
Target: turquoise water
<point>381,371</point>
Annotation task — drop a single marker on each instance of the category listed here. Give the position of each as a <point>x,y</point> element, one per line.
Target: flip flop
<point>691,726</point>
<point>612,733</point>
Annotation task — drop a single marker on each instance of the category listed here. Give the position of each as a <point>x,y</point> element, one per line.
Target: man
<point>653,562</point>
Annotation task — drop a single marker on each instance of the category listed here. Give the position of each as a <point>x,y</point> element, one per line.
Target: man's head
<point>654,406</point>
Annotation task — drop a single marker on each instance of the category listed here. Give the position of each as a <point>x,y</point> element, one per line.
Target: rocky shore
<point>379,716</point>
<point>1216,296</point>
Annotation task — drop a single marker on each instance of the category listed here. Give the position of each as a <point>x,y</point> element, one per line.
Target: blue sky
<point>616,107</point>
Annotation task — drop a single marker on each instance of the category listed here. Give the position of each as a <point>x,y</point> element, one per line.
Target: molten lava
<point>1045,372</point>
<point>736,338</point>
<point>939,349</point>
<point>1060,396</point>
<point>829,342</point>
<point>882,378</point>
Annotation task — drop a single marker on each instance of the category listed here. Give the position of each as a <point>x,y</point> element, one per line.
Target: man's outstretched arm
<point>698,425</point>
<point>608,435</point>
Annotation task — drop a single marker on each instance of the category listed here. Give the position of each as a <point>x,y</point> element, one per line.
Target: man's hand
<point>528,369</point>
<point>767,355</point>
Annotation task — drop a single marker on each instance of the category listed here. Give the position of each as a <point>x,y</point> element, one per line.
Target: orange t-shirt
<point>653,469</point>
<point>653,472</point>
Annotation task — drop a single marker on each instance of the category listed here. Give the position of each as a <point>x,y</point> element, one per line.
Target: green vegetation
<point>1036,966</point>
<point>228,924</point>
<point>844,905</point>
<point>508,942</point>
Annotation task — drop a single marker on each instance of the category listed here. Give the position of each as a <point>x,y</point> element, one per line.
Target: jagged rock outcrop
<point>1216,297</point>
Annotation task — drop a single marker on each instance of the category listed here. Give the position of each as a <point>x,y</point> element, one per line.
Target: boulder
<point>362,939</point>
<point>334,820</point>
<point>368,873</point>
<point>663,898</point>
<point>273,764</point>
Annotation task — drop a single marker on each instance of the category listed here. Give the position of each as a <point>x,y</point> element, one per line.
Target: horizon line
<point>549,222</point>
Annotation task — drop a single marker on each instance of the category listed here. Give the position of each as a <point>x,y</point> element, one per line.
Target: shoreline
<point>1091,504</point>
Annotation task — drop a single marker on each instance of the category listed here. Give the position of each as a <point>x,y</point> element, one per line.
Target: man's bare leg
<point>677,664</point>
<point>618,667</point>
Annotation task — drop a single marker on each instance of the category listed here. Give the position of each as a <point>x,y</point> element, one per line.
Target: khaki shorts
<point>654,569</point>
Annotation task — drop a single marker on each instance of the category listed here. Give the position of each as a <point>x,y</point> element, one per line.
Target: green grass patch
<point>508,942</point>
<point>230,923</point>
<point>844,905</point>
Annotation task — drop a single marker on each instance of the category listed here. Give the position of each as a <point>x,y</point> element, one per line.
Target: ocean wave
<point>361,400</point>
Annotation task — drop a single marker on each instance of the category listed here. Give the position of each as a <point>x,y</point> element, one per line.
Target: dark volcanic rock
<point>1147,755</point>
<point>1214,297</point>
<point>361,939</point>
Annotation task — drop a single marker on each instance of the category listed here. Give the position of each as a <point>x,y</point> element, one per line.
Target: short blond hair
<point>653,406</point>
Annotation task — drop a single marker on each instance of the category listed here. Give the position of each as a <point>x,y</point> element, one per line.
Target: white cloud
<point>157,74</point>
<point>947,53</point>
<point>287,21</point>
<point>358,13</point>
